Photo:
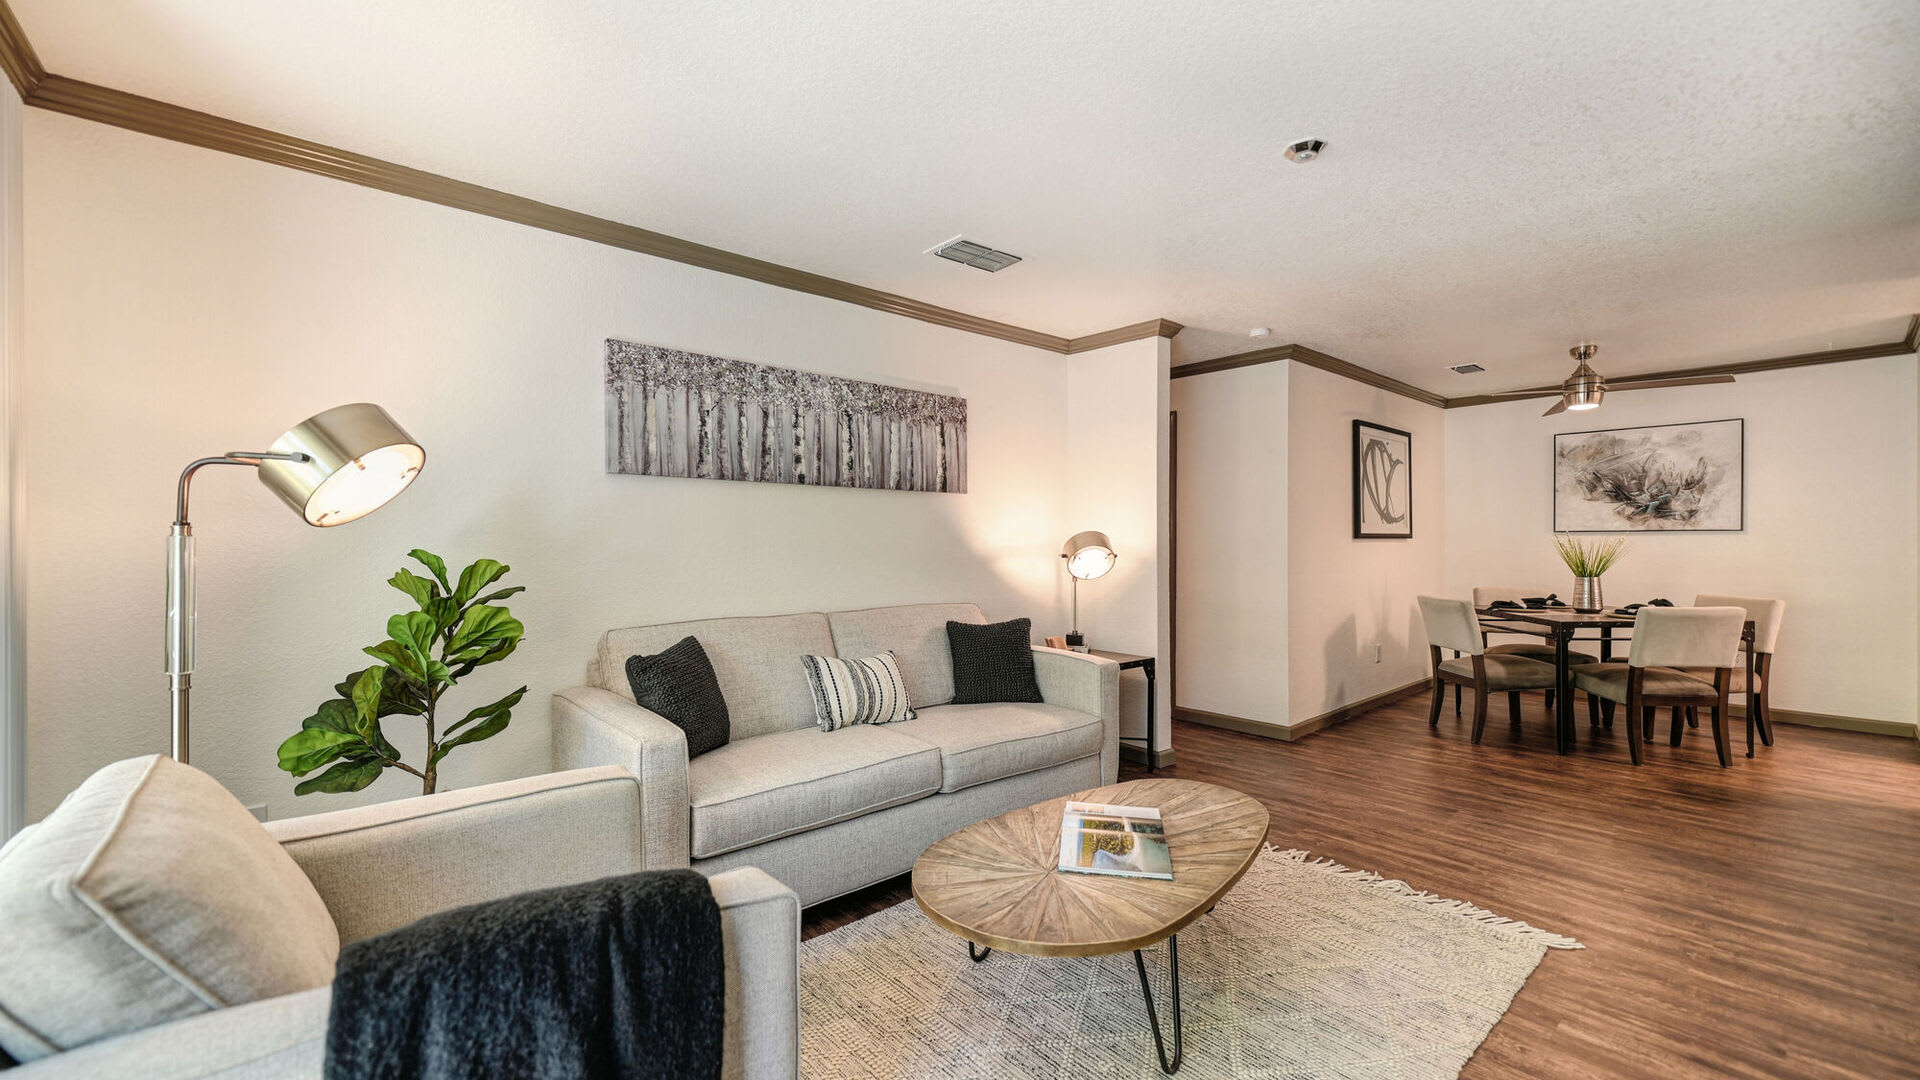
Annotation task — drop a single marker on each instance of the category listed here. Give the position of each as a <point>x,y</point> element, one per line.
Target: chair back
<point>1487,594</point>
<point>1451,624</point>
<point>1687,637</point>
<point>1765,614</point>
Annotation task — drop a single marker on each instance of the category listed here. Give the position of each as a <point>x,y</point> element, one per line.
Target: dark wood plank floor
<point>1758,921</point>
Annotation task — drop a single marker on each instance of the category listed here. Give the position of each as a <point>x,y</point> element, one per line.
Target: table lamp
<point>336,467</point>
<point>1089,555</point>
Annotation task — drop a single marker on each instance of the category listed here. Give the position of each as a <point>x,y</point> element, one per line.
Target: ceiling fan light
<point>1583,406</point>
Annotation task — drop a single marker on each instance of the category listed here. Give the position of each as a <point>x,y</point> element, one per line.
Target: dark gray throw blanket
<point>617,978</point>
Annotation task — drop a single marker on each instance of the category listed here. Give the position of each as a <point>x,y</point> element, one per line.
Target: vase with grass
<point>1588,559</point>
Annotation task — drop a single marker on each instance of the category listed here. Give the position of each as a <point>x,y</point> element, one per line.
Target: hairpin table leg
<point>977,954</point>
<point>1168,1066</point>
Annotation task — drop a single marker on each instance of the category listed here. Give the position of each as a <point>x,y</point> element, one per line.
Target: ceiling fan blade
<point>1558,407</point>
<point>1516,395</point>
<point>1650,384</point>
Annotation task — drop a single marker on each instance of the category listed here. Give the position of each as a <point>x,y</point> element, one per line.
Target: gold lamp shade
<point>356,460</point>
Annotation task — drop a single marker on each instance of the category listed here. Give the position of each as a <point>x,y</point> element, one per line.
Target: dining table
<point>1558,625</point>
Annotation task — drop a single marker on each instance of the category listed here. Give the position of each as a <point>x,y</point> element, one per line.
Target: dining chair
<point>1452,624</point>
<point>1666,643</point>
<point>1484,595</point>
<point>1765,615</point>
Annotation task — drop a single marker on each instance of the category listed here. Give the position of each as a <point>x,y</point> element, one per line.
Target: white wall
<point>1831,516</point>
<point>13,713</point>
<point>1347,596</point>
<point>182,302</point>
<point>1116,465</point>
<point>1232,589</point>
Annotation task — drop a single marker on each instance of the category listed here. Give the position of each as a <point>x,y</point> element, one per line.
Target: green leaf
<point>366,697</point>
<point>501,594</point>
<point>345,688</point>
<point>486,711</point>
<point>346,776</point>
<point>309,748</point>
<point>483,629</point>
<point>415,630</point>
<point>334,715</point>
<point>398,656</point>
<point>481,574</point>
<point>434,563</point>
<point>445,613</point>
<point>497,716</point>
<point>423,591</point>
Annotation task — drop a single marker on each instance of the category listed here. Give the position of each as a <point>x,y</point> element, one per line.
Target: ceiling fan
<point>1586,387</point>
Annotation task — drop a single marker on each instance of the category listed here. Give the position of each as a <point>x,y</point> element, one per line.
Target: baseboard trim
<point>1295,732</point>
<point>1162,759</point>
<point>1862,724</point>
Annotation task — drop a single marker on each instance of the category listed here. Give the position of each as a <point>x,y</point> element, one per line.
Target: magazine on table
<point>1124,841</point>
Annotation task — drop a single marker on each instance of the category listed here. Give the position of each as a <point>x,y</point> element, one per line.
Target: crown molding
<point>23,68</point>
<point>1907,344</point>
<point>105,105</point>
<point>1165,328</point>
<point>1300,354</point>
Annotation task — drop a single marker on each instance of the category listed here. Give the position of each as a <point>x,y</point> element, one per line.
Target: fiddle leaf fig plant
<point>427,652</point>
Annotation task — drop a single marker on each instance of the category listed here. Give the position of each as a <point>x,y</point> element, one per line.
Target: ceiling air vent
<point>978,256</point>
<point>1465,369</point>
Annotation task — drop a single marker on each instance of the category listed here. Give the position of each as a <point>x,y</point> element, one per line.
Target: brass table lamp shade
<point>336,467</point>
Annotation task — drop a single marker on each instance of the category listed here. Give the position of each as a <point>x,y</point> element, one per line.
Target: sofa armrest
<point>1090,684</point>
<point>282,1038</point>
<point>760,922</point>
<point>594,727</point>
<point>383,866</point>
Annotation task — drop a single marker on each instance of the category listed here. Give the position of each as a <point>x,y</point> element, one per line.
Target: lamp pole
<point>180,588</point>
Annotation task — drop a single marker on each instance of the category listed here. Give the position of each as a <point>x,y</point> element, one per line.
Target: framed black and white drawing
<point>1666,478</point>
<point>676,413</point>
<point>1382,482</point>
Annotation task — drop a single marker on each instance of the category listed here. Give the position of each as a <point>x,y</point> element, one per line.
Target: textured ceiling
<point>1684,183</point>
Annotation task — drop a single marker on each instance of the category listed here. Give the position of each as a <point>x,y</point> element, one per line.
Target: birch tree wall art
<point>676,413</point>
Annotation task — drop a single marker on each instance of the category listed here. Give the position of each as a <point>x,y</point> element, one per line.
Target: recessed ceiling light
<point>978,256</point>
<point>1305,150</point>
<point>1260,331</point>
<point>1465,369</point>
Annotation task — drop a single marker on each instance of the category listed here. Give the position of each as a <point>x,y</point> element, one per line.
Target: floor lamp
<point>1089,555</point>
<point>334,468</point>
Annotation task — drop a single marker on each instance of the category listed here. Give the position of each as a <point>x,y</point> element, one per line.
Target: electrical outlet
<point>259,811</point>
<point>1376,652</point>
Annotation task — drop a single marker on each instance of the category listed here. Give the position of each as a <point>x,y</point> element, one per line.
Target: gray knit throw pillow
<point>679,684</point>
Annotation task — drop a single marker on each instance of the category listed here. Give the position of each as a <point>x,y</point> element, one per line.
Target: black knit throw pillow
<point>992,662</point>
<point>679,684</point>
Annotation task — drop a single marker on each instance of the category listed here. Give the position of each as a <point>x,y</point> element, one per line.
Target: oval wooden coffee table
<point>998,884</point>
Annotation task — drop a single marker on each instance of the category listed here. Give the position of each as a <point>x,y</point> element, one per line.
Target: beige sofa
<point>830,812</point>
<point>379,867</point>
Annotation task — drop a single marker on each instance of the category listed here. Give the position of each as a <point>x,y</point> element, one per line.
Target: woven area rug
<point>1305,970</point>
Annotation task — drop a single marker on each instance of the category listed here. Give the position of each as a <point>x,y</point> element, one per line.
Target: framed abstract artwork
<point>675,413</point>
<point>1382,482</point>
<point>1664,478</point>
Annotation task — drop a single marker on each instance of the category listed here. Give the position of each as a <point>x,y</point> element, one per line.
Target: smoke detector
<point>1260,331</point>
<point>1305,150</point>
<point>1465,369</point>
<point>978,256</point>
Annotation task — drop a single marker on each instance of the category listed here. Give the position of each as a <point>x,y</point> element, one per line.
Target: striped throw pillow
<point>864,691</point>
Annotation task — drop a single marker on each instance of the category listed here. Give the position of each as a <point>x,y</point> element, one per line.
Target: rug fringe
<point>1401,889</point>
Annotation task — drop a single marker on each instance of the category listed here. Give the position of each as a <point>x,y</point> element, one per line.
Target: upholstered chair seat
<point>1504,672</point>
<point>1538,651</point>
<point>1609,681</point>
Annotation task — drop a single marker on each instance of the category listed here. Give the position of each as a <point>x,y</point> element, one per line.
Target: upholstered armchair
<point>1453,624</point>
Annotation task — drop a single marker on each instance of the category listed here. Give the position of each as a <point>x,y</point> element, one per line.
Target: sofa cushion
<point>916,634</point>
<point>679,685</point>
<point>755,660</point>
<point>759,789</point>
<point>149,895</point>
<point>980,743</point>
